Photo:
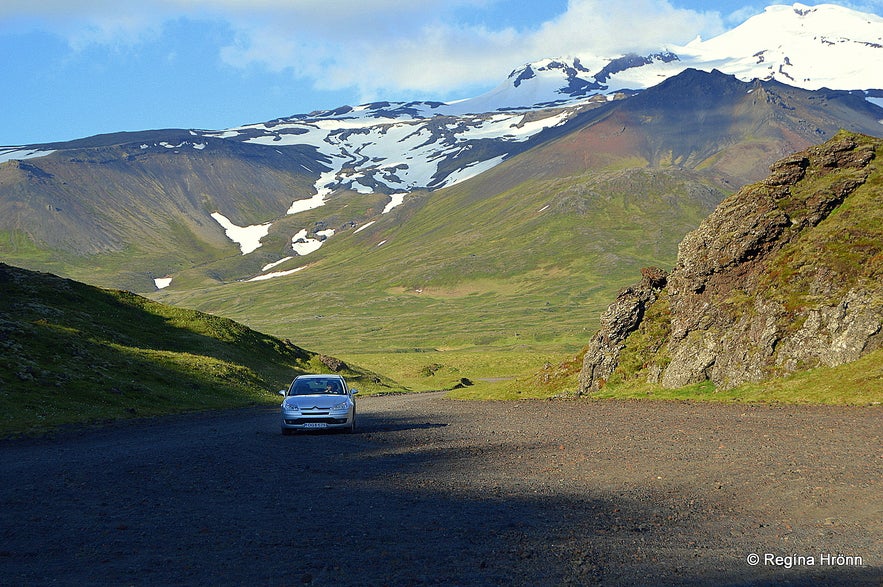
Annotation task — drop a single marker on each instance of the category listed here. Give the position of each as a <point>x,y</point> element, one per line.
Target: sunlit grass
<point>433,370</point>
<point>856,383</point>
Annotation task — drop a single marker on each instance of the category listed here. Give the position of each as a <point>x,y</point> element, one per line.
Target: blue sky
<point>75,68</point>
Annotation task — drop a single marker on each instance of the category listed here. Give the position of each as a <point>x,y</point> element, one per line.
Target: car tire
<point>352,427</point>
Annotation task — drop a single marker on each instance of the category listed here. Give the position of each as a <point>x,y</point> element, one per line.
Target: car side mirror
<point>282,392</point>
<point>354,391</point>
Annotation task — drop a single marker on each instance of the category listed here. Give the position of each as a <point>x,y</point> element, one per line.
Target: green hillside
<point>524,256</point>
<point>117,215</point>
<point>73,353</point>
<point>469,266</point>
<point>514,264</point>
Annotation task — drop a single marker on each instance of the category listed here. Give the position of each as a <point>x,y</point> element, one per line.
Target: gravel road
<point>431,491</point>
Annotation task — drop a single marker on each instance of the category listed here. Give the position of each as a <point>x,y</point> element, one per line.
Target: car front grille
<point>296,421</point>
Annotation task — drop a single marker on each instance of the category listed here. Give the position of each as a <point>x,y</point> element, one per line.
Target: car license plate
<point>315,425</point>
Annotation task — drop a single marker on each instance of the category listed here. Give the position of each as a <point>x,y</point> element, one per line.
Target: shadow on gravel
<point>397,503</point>
<point>368,424</point>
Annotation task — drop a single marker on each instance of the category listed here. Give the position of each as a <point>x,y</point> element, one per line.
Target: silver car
<point>316,402</point>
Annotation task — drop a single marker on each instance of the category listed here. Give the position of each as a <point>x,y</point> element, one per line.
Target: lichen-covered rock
<point>620,319</point>
<point>784,275</point>
<point>834,334</point>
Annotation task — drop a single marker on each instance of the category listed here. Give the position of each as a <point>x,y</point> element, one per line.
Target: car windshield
<point>316,386</point>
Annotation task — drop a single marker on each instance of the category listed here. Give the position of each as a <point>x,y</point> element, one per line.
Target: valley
<point>481,235</point>
<point>617,320</point>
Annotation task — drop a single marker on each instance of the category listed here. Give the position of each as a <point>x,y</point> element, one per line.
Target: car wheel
<point>352,427</point>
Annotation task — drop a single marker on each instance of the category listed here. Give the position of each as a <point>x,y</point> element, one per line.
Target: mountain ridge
<point>488,203</point>
<point>199,200</point>
<point>556,228</point>
<point>811,39</point>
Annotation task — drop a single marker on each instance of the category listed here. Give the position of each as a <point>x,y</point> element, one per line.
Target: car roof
<point>319,376</point>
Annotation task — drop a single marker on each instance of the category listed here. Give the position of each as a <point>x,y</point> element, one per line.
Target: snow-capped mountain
<point>808,47</point>
<point>824,46</point>
<point>394,148</point>
<point>398,147</point>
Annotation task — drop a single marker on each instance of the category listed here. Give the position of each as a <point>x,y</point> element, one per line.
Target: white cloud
<point>403,50</point>
<point>380,47</point>
<point>84,22</point>
<point>607,28</point>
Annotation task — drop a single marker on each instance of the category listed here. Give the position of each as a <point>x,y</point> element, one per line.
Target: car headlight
<point>341,407</point>
<point>291,407</point>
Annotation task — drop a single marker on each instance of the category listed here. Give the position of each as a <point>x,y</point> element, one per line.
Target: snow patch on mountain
<point>247,237</point>
<point>396,199</point>
<point>304,245</point>
<point>473,169</point>
<point>395,147</point>
<point>269,266</point>
<point>275,274</point>
<point>21,153</point>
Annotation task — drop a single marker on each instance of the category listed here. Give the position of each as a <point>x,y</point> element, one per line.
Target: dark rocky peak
<point>523,74</point>
<point>630,61</point>
<point>690,89</point>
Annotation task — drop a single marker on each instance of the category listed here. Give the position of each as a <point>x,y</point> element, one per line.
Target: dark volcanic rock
<point>333,363</point>
<point>762,287</point>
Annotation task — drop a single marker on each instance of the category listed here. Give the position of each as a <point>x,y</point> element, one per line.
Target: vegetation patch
<point>859,383</point>
<point>645,348</point>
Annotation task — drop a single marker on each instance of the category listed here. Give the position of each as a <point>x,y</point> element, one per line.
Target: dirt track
<point>431,491</point>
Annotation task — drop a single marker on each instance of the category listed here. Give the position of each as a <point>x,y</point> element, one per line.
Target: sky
<point>76,68</point>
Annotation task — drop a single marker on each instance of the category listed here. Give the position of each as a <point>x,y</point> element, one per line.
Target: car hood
<point>315,401</point>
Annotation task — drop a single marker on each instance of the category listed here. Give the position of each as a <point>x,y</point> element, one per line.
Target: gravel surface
<point>431,491</point>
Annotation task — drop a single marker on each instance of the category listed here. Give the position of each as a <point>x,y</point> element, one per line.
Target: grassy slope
<point>122,215</point>
<point>525,256</point>
<point>471,267</point>
<point>511,266</point>
<point>490,286</point>
<point>856,383</point>
<point>76,353</point>
<point>508,269</point>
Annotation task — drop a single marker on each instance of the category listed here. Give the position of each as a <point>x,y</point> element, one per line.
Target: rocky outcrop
<point>619,320</point>
<point>333,363</point>
<point>784,275</point>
